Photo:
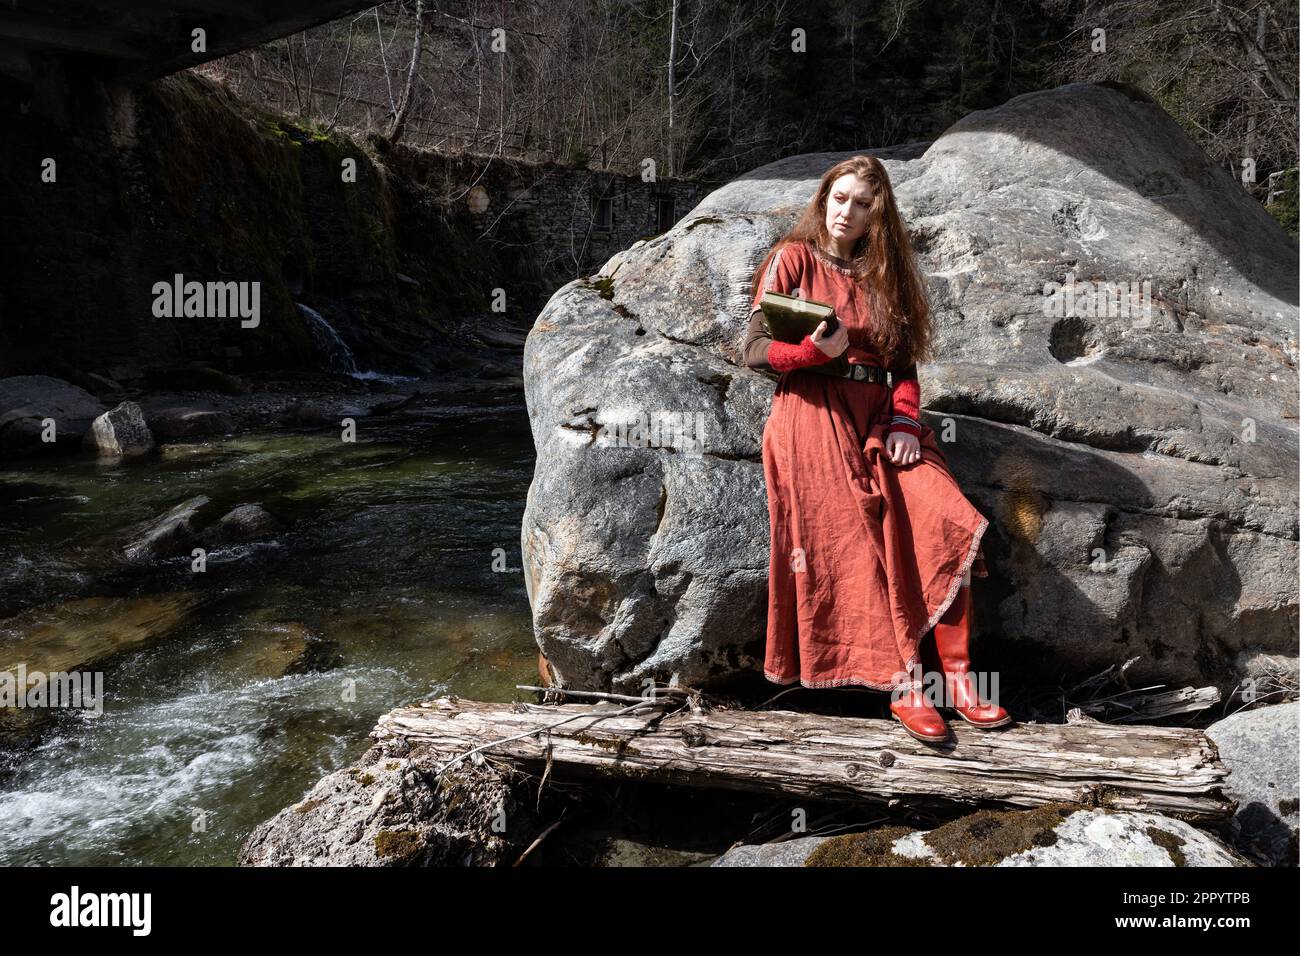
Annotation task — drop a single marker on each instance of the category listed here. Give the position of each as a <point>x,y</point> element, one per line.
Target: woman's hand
<point>902,448</point>
<point>833,344</point>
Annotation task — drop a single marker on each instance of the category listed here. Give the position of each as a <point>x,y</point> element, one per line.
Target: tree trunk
<point>399,121</point>
<point>1253,94</point>
<point>672,87</point>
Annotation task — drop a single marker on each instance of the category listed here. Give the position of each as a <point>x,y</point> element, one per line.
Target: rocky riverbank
<point>190,402</point>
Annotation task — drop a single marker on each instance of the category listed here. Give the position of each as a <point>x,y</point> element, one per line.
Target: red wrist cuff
<point>785,357</point>
<point>906,399</point>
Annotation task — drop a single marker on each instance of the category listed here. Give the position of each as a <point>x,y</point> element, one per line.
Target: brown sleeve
<point>757,341</point>
<point>901,372</point>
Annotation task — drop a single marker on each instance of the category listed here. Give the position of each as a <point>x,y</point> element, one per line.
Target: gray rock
<point>1259,748</point>
<point>247,522</point>
<point>1271,677</point>
<point>191,524</point>
<point>1107,838</point>
<point>314,412</point>
<point>170,534</point>
<point>390,810</point>
<point>120,432</point>
<point>186,421</point>
<point>1080,837</point>
<point>26,400</point>
<point>786,853</point>
<point>1138,474</point>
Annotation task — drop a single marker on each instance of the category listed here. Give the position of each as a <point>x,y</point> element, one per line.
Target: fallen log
<point>1170,770</point>
<point>1137,706</point>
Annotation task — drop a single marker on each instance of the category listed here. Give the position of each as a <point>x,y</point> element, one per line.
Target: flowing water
<point>401,549</point>
<point>336,353</point>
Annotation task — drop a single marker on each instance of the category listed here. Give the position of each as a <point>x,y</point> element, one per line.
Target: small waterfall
<point>335,350</point>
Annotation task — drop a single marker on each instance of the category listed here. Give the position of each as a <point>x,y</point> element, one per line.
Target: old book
<point>789,319</point>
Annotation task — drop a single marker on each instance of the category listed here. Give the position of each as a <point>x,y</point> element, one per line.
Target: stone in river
<point>121,432</point>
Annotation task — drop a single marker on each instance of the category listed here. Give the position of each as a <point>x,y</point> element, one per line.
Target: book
<point>789,319</point>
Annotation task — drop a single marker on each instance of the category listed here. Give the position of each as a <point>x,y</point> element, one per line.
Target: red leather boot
<point>952,641</point>
<point>918,718</point>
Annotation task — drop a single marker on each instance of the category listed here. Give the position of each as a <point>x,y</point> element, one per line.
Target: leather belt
<point>857,373</point>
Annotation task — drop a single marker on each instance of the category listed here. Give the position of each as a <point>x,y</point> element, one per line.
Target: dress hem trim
<point>845,681</point>
<point>960,577</point>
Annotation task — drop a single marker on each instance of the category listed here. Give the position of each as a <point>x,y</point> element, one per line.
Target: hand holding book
<point>832,343</point>
<point>789,318</point>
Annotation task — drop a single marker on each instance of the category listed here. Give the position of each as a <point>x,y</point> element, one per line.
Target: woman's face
<point>847,203</point>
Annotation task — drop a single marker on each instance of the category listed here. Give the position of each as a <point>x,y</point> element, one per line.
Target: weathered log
<point>1136,706</point>
<point>1170,770</point>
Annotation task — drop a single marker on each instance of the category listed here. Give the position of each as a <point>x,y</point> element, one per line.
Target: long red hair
<point>883,263</point>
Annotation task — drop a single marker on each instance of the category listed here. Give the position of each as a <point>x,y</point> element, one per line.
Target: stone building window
<point>605,212</point>
<point>665,213</point>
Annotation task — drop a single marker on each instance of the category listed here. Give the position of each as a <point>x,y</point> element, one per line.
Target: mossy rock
<point>398,844</point>
<point>1055,834</point>
<point>872,848</point>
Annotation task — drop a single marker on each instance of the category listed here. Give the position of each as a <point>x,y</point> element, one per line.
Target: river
<point>388,560</point>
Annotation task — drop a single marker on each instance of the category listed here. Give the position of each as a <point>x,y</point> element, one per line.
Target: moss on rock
<point>1172,843</point>
<point>988,836</point>
<point>982,838</point>
<point>872,848</point>
<point>398,844</point>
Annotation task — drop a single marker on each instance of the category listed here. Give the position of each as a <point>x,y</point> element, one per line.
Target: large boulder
<point>26,401</point>
<point>1138,473</point>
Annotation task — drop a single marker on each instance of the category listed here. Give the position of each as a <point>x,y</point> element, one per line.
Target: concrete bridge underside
<point>134,41</point>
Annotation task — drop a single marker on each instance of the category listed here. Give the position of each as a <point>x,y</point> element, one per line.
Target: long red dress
<point>866,555</point>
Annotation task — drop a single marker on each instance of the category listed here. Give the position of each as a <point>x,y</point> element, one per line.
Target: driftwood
<point>1150,703</point>
<point>1134,705</point>
<point>1168,770</point>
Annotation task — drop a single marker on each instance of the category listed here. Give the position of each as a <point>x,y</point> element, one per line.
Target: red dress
<point>866,555</point>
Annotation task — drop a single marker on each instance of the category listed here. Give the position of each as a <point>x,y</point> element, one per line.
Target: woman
<point>873,543</point>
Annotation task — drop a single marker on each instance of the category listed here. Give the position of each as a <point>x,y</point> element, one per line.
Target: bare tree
<point>1227,71</point>
<point>399,119</point>
<point>709,89</point>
